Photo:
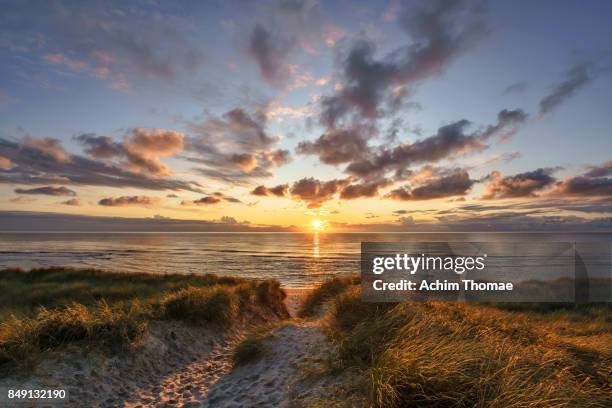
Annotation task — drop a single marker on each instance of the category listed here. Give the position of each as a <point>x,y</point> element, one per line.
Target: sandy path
<point>188,386</point>
<point>273,380</point>
<point>181,366</point>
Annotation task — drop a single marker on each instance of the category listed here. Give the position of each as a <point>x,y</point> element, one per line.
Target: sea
<point>297,260</point>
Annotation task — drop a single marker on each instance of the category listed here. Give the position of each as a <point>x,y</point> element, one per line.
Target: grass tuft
<point>253,346</point>
<point>440,354</point>
<point>201,305</point>
<point>44,309</point>
<point>326,291</point>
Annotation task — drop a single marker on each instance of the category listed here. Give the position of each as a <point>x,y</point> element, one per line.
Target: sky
<point>294,114</point>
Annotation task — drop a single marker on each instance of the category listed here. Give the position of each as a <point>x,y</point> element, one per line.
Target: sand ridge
<point>183,366</point>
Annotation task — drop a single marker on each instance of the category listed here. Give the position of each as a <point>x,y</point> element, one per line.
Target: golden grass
<point>112,311</point>
<point>440,354</point>
<point>324,292</point>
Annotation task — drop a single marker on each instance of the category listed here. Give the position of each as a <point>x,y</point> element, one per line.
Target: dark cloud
<point>207,200</point>
<point>440,31</point>
<point>36,221</point>
<point>456,183</point>
<point>280,190</point>
<point>508,122</point>
<point>316,192</point>
<point>337,146</point>
<point>139,151</point>
<point>582,186</point>
<point>363,190</point>
<point>450,140</point>
<point>543,205</point>
<point>520,185</point>
<point>517,87</point>
<point>72,202</point>
<point>48,190</point>
<point>128,200</point>
<point>286,27</point>
<point>600,171</point>
<point>44,161</point>
<point>269,51</point>
<point>235,148</point>
<point>577,77</point>
<point>213,198</point>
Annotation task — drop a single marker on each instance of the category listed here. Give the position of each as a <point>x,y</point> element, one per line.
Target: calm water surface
<point>296,259</point>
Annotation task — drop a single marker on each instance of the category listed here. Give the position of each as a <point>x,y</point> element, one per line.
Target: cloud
<point>140,150</point>
<point>214,198</point>
<point>316,192</point>
<point>582,186</point>
<point>288,26</point>
<point>440,32</point>
<point>72,202</point>
<point>363,190</point>
<point>22,200</point>
<point>48,147</point>
<point>280,190</point>
<point>577,77</point>
<point>449,140</point>
<point>121,43</point>
<point>600,171</point>
<point>235,148</point>
<point>269,51</point>
<point>520,185</point>
<point>37,221</point>
<point>206,200</point>
<point>456,183</point>
<point>44,161</point>
<point>543,205</point>
<point>516,88</point>
<point>337,146</point>
<point>48,190</point>
<point>128,200</point>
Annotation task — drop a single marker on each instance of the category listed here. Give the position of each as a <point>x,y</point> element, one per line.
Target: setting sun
<point>317,225</point>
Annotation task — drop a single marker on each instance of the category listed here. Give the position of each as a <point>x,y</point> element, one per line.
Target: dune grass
<point>324,292</point>
<point>254,344</point>
<point>112,311</point>
<point>439,354</point>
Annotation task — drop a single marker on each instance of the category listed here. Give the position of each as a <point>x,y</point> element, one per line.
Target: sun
<point>317,225</point>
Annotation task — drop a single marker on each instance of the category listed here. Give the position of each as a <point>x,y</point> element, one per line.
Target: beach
<point>205,341</point>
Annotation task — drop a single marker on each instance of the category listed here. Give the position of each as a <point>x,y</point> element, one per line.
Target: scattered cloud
<point>139,151</point>
<point>72,202</point>
<point>280,190</point>
<point>455,183</point>
<point>235,148</point>
<point>581,186</point>
<point>123,201</point>
<point>577,77</point>
<point>315,192</point>
<point>516,88</point>
<point>440,32</point>
<point>44,161</point>
<point>519,185</point>
<point>47,190</point>
<point>600,171</point>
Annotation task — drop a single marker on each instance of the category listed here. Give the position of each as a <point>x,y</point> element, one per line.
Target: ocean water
<point>296,259</point>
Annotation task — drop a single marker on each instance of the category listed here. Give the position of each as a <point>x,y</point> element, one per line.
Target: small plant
<point>326,291</point>
<point>202,305</point>
<point>253,346</point>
